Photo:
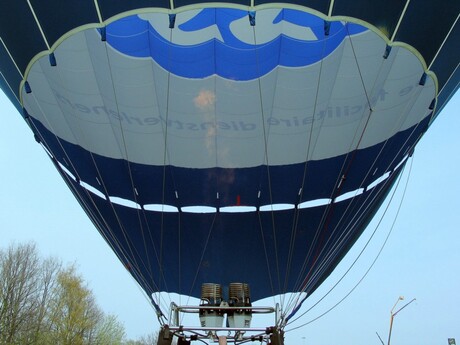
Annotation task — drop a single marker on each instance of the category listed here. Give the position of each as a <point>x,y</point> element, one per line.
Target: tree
<point>25,284</point>
<point>42,303</point>
<point>149,339</point>
<point>74,315</point>
<point>109,331</point>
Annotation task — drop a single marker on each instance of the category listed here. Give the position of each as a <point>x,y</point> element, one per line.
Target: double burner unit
<point>213,307</point>
<point>221,319</point>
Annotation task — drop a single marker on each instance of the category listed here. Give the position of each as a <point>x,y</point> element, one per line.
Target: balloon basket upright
<point>221,321</point>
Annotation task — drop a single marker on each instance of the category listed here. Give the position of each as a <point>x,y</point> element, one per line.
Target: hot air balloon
<point>229,151</point>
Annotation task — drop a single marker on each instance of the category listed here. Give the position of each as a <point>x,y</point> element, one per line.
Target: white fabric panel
<point>123,107</point>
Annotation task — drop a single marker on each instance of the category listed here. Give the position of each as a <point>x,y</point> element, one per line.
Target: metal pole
<point>400,298</point>
<point>391,326</point>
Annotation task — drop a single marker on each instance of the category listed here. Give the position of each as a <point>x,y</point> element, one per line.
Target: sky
<point>421,258</point>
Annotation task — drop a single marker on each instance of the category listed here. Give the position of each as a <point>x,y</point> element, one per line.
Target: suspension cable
<point>373,262</point>
<point>345,235</point>
<point>328,212</point>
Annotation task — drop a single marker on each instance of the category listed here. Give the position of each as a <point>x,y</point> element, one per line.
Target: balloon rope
<point>329,210</point>
<point>37,21</point>
<point>211,227</point>
<point>266,256</point>
<point>345,168</point>
<point>398,24</point>
<point>140,210</point>
<point>304,178</point>
<point>265,135</point>
<point>165,158</point>
<point>141,227</point>
<point>14,63</point>
<point>443,42</point>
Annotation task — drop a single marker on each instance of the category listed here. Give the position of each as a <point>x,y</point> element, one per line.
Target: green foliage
<point>110,331</point>
<point>73,313</point>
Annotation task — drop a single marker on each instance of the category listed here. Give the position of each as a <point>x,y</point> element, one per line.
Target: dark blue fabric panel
<point>239,186</point>
<point>110,8</point>
<point>233,249</point>
<point>82,162</point>
<point>149,181</point>
<point>321,178</point>
<point>362,164</point>
<point>382,14</point>
<point>116,177</point>
<point>20,32</point>
<point>174,243</point>
<point>281,184</point>
<point>236,246</point>
<point>196,186</point>
<point>179,3</point>
<point>446,68</point>
<point>57,17</point>
<point>426,25</point>
<point>318,5</point>
<point>234,186</point>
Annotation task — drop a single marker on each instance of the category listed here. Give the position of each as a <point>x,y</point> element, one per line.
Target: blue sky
<point>420,260</point>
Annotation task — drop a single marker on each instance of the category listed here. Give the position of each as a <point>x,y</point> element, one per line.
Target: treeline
<point>44,302</point>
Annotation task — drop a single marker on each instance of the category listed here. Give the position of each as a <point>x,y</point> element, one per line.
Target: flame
<point>205,100</point>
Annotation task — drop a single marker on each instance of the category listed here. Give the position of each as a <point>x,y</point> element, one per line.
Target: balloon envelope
<point>216,144</point>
